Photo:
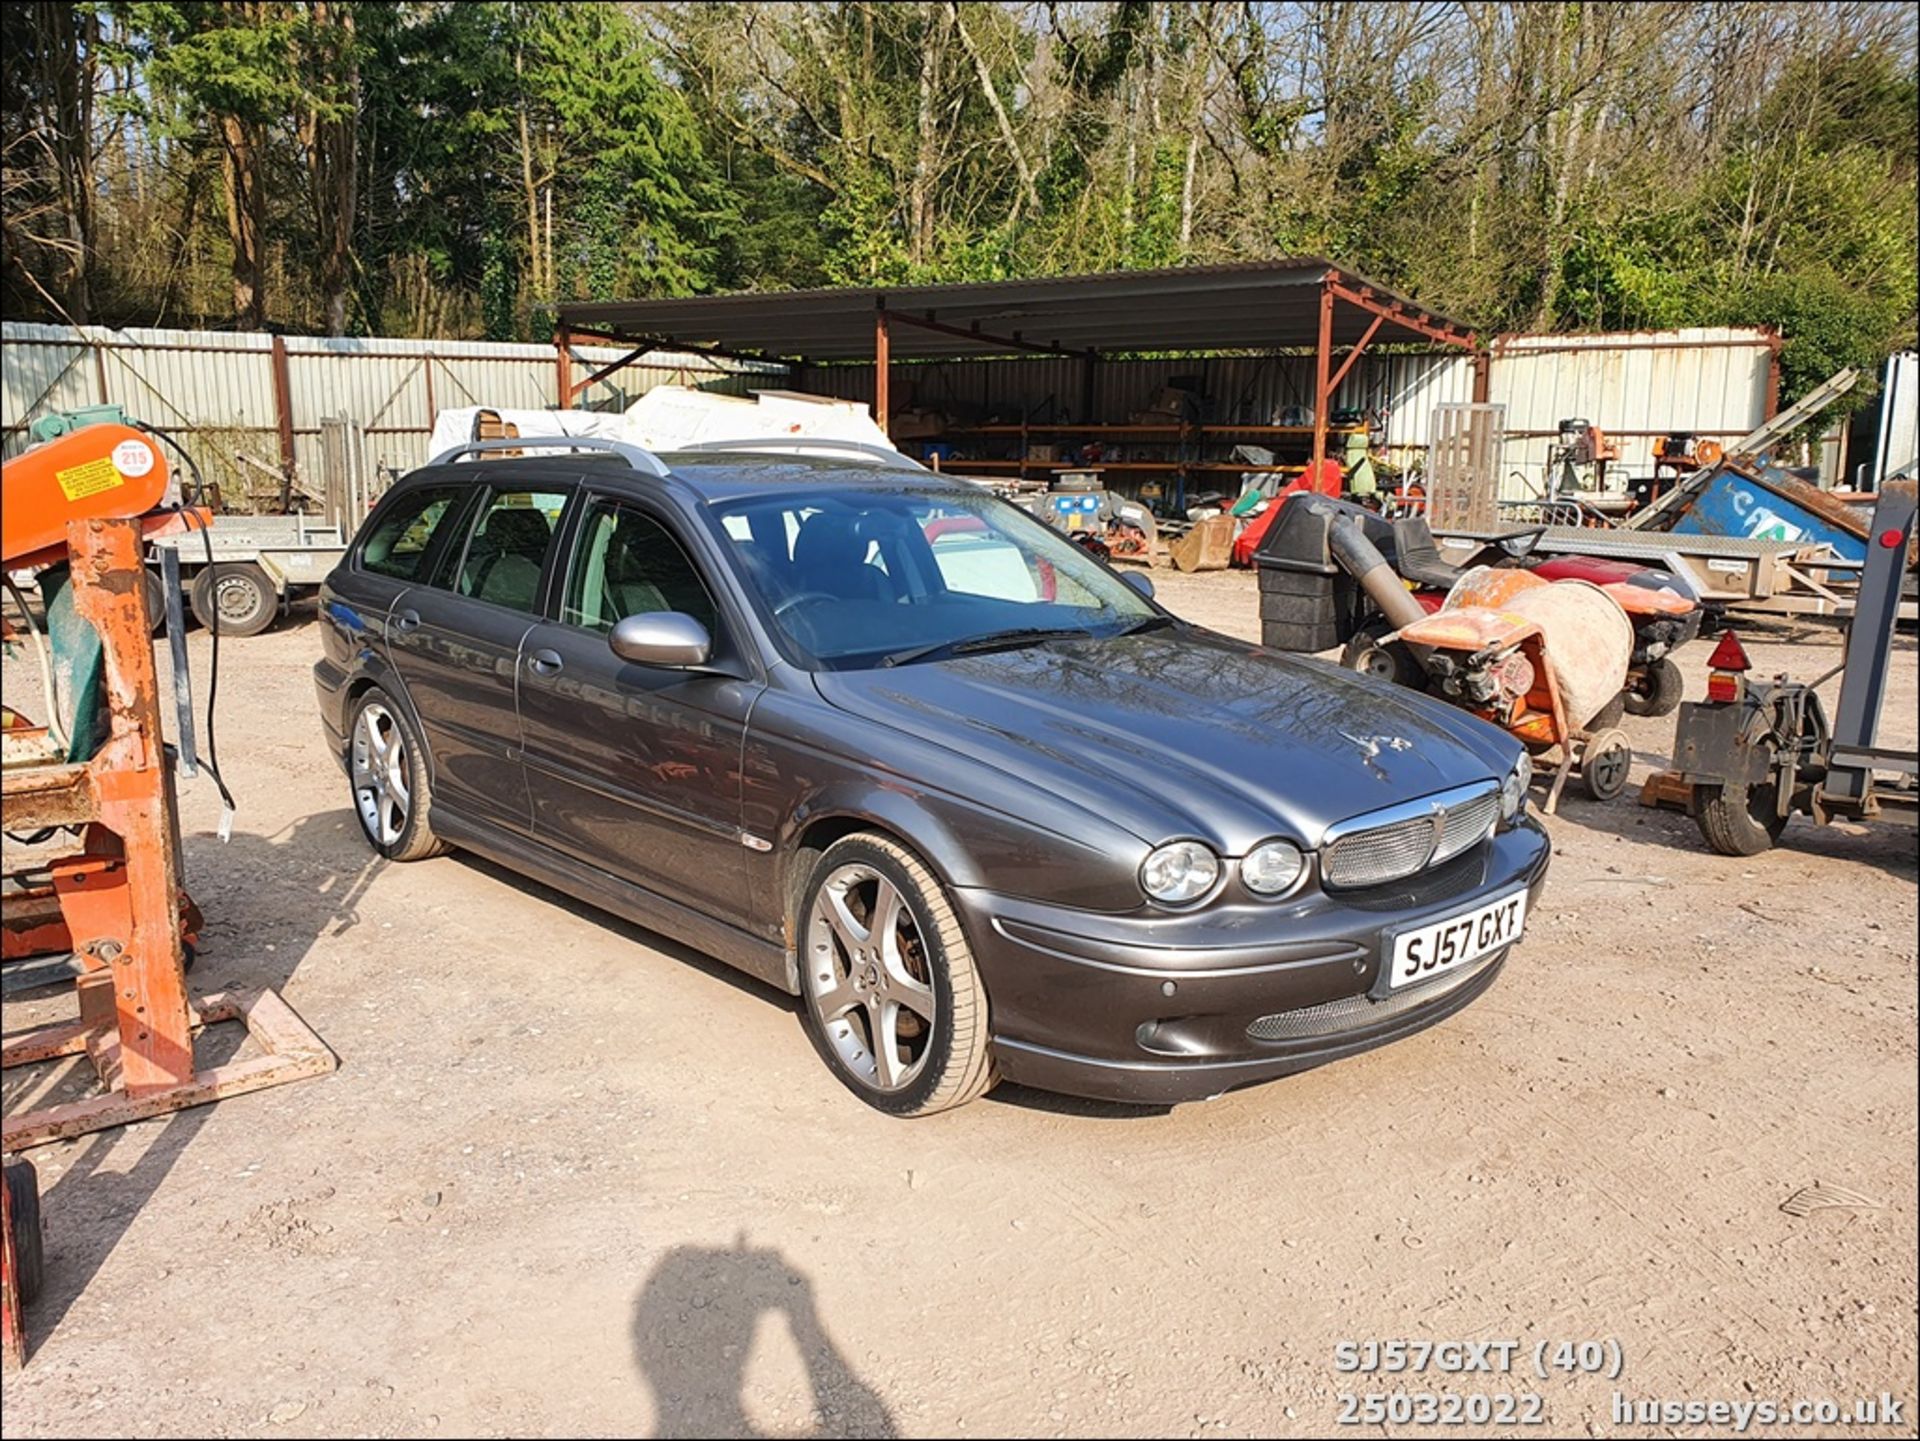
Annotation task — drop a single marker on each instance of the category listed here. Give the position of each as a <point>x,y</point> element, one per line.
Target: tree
<point>52,71</point>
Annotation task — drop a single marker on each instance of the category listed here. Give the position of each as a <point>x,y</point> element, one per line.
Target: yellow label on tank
<point>79,481</point>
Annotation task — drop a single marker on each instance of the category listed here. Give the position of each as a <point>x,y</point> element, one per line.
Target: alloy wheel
<point>380,774</point>
<point>868,980</point>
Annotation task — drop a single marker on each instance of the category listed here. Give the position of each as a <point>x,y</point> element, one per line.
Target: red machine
<point>1664,617</point>
<point>114,899</point>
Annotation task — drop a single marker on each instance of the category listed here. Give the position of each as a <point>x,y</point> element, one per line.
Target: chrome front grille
<point>1383,853</point>
<point>1392,844</point>
<point>1466,825</point>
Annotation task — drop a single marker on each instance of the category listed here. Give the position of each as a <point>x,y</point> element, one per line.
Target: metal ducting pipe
<point>1362,560</point>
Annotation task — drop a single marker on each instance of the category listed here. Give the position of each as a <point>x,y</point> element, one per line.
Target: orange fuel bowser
<point>77,510</point>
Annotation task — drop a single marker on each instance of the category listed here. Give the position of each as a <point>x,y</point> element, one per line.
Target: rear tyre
<point>893,1002</point>
<point>1389,661</point>
<point>1738,822</point>
<point>1656,690</point>
<point>23,1201</point>
<point>387,776</point>
<point>242,595</point>
<point>1606,762</point>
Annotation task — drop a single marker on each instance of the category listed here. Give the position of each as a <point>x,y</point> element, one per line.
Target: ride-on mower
<point>1663,614</point>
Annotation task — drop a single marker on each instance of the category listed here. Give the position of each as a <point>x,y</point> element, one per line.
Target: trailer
<point>1740,532</point>
<point>248,568</point>
<point>1724,572</point>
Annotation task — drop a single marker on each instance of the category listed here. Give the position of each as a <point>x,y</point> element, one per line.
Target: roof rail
<point>636,456</point>
<point>826,444</point>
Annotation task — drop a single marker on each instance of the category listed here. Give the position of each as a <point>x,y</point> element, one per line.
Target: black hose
<point>1362,560</point>
<point>211,760</point>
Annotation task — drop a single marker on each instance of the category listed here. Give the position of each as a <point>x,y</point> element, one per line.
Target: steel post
<point>1322,364</point>
<point>882,367</point>
<point>1863,685</point>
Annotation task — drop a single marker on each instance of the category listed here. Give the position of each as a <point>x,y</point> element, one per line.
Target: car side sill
<point>760,959</point>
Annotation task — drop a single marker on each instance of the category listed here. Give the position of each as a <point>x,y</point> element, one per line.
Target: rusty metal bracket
<point>117,903</point>
<point>290,1051</point>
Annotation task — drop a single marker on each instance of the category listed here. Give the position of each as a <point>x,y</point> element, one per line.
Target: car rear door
<point>456,645</point>
<point>633,769</point>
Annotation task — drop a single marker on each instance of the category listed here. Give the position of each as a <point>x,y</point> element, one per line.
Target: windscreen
<point>857,577</point>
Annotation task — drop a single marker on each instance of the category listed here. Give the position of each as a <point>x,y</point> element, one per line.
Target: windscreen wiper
<point>1146,623</point>
<point>978,644</point>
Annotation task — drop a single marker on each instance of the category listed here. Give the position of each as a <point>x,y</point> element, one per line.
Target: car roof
<point>723,476</point>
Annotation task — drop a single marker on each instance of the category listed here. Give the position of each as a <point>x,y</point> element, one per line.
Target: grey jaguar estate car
<point>896,747</point>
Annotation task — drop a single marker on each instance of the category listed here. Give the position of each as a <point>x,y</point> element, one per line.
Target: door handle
<point>407,620</point>
<point>545,662</point>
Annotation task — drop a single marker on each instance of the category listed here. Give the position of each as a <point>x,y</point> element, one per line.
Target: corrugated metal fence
<point>262,394</point>
<point>1716,383</point>
<point>265,394</point>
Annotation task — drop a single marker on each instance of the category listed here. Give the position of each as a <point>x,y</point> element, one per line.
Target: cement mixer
<point>1543,660</point>
<point>1576,620</point>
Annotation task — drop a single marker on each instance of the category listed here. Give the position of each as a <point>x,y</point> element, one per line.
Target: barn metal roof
<point>1254,306</point>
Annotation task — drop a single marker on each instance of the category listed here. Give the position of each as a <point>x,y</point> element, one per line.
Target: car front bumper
<point>1156,1008</point>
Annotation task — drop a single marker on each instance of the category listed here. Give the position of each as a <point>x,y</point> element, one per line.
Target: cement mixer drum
<point>1587,638</point>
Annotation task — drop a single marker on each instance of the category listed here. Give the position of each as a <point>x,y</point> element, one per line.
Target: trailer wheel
<point>23,1206</point>
<point>157,601</point>
<point>1606,760</point>
<point>1656,690</point>
<point>245,598</point>
<point>1737,821</point>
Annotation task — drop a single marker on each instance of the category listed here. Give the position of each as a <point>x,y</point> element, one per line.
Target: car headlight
<point>1272,868</point>
<point>1179,871</point>
<point>1513,790</point>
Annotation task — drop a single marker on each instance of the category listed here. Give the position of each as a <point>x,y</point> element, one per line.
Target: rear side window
<point>508,548</point>
<point>398,543</point>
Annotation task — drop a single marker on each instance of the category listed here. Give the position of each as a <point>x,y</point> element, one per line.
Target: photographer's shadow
<point>693,1335</point>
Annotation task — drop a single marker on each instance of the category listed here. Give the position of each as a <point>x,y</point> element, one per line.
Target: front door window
<point>628,564</point>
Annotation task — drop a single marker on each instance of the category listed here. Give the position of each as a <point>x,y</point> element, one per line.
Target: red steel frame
<point>1335,286</point>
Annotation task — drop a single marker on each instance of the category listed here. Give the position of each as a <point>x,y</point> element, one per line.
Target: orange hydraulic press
<point>80,507</point>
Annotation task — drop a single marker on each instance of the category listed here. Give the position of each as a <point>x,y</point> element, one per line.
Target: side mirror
<point>666,638</point>
<point>1140,581</point>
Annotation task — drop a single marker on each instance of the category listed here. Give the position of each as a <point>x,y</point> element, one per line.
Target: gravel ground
<point>573,1178</point>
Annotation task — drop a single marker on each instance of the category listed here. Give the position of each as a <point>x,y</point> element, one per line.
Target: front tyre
<point>1656,690</point>
<point>894,1003</point>
<point>387,771</point>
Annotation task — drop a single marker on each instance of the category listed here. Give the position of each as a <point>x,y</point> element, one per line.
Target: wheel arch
<point>387,681</point>
<point>890,814</point>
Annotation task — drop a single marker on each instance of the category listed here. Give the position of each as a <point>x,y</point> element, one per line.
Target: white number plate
<point>1418,955</point>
